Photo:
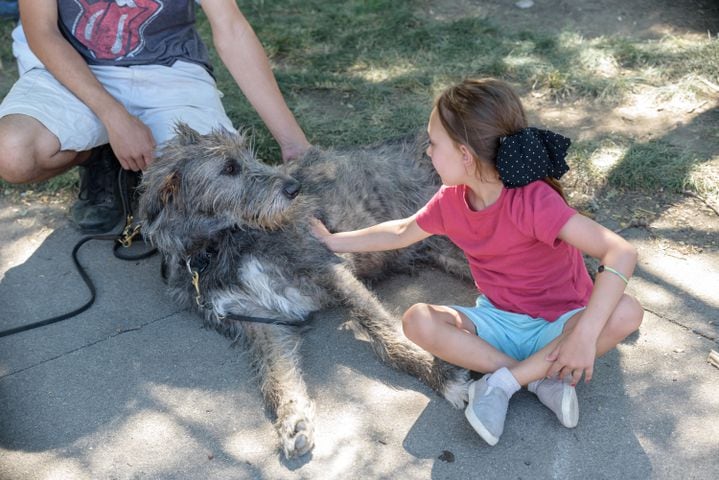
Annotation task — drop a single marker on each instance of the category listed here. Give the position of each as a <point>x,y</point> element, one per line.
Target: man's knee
<point>25,145</point>
<point>417,322</point>
<point>627,317</point>
<point>16,162</point>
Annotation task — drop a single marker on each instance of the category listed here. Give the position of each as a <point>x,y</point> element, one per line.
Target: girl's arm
<point>576,353</point>
<point>389,235</point>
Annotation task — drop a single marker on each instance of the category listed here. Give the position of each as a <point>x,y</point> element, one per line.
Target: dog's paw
<point>297,435</point>
<point>456,387</point>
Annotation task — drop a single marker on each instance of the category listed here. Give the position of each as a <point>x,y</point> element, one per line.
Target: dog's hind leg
<point>391,346</point>
<point>275,356</point>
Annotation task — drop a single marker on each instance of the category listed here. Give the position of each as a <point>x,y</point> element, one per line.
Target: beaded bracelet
<point>610,269</point>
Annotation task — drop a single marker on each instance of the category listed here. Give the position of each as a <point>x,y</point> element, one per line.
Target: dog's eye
<point>230,168</point>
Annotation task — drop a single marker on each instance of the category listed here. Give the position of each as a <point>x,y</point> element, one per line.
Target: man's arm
<point>130,139</point>
<point>244,57</point>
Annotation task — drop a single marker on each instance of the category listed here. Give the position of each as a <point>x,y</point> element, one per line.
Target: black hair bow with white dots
<point>531,154</point>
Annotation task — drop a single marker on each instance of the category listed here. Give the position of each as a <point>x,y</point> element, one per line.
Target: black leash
<point>125,240</point>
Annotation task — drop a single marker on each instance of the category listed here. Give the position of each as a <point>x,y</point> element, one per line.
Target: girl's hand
<point>319,230</point>
<point>573,356</point>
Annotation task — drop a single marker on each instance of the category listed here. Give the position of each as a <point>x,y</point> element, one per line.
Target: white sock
<point>532,386</point>
<point>504,379</point>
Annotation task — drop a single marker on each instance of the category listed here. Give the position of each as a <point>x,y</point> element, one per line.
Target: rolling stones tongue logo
<point>114,30</point>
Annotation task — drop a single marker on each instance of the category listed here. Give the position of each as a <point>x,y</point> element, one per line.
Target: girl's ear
<point>467,158</point>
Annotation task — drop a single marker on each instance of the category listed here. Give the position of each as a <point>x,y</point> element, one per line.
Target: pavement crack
<point>82,347</point>
<point>679,324</point>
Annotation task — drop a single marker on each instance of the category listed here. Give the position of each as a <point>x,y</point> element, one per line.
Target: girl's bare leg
<point>449,335</point>
<point>625,320</point>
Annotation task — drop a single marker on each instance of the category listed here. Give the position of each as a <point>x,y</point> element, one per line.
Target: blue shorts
<point>514,334</point>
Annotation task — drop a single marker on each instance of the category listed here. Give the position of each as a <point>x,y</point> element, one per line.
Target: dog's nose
<point>291,188</point>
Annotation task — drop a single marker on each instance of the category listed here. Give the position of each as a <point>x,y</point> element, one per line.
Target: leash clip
<point>129,233</point>
<point>195,282</point>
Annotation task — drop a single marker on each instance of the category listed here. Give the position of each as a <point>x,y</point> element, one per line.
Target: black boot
<point>98,208</point>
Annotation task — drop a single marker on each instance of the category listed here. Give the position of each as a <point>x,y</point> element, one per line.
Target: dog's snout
<point>291,188</point>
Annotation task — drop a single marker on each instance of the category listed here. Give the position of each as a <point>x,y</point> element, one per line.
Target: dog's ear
<point>170,189</point>
<point>157,195</point>
<point>160,204</point>
<point>186,135</point>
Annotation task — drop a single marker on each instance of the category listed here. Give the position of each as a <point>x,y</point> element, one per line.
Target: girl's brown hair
<point>478,113</point>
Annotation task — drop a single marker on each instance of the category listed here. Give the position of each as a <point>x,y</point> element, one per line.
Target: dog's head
<point>202,184</point>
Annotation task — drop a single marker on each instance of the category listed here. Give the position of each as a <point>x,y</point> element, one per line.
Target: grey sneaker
<point>98,207</point>
<point>487,410</point>
<point>560,397</point>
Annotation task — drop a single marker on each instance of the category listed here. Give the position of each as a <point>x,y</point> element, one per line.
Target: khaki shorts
<point>158,95</point>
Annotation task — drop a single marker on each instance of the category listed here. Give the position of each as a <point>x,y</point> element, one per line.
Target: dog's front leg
<point>392,346</point>
<point>274,351</point>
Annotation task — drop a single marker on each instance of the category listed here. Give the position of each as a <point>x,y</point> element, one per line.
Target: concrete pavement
<point>134,388</point>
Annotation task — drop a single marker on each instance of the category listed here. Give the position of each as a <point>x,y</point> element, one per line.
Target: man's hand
<point>574,356</point>
<point>131,140</point>
<point>294,151</point>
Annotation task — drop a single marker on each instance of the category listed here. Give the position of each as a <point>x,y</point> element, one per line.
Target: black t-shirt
<point>133,32</point>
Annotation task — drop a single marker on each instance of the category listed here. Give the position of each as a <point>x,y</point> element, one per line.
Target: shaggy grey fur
<point>244,227</point>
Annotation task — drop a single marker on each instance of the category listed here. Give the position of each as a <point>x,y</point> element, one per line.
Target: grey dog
<point>235,238</point>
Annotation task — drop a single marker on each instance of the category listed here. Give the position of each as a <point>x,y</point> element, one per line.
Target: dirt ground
<point>635,18</point>
<point>683,224</point>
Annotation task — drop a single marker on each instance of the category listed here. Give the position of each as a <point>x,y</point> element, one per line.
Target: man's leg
<point>44,131</point>
<point>29,152</point>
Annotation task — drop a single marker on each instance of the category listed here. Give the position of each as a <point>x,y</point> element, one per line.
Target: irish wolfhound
<point>235,237</point>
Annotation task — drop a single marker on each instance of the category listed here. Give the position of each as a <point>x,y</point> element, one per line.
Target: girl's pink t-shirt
<point>516,259</point>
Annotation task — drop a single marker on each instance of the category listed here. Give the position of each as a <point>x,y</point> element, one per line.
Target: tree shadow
<point>89,381</point>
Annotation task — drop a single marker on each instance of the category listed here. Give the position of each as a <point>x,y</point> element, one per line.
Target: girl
<point>538,321</point>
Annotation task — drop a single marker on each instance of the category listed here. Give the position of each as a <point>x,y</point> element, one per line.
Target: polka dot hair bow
<point>531,154</point>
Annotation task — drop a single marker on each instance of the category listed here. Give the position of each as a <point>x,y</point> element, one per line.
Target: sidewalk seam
<point>117,333</point>
<point>675,322</point>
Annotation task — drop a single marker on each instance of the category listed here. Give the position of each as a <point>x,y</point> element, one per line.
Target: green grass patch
<point>653,166</point>
<point>658,165</point>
